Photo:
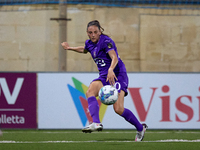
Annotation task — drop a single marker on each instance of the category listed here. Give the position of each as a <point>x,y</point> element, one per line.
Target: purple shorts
<point>121,84</point>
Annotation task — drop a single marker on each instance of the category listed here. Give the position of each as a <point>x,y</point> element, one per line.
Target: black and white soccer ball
<point>108,95</point>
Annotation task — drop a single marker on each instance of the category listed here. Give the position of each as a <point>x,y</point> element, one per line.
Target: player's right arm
<point>79,49</point>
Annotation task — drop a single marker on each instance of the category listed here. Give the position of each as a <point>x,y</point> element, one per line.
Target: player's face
<point>93,33</point>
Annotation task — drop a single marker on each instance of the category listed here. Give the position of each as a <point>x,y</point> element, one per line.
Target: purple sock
<point>130,117</point>
<point>94,109</point>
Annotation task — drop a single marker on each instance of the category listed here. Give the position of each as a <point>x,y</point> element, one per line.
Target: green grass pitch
<point>105,140</point>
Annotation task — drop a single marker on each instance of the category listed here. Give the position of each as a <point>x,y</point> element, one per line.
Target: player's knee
<point>88,93</point>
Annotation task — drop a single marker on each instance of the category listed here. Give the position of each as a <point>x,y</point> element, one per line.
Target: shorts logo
<point>81,104</point>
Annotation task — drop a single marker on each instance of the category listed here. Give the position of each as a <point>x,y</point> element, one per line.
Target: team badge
<point>94,54</point>
<point>109,45</point>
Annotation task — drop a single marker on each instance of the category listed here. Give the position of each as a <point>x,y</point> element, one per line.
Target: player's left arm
<point>111,75</point>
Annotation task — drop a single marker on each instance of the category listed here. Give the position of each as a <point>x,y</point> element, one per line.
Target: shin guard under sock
<point>130,117</point>
<point>94,109</point>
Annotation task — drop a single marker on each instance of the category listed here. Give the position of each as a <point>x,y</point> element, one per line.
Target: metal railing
<point>195,4</point>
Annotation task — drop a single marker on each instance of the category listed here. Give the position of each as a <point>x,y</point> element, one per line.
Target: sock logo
<point>81,104</point>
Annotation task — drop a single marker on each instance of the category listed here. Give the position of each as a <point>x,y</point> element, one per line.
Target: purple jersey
<point>99,53</point>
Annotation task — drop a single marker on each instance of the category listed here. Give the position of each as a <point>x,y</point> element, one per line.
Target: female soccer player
<point>111,71</point>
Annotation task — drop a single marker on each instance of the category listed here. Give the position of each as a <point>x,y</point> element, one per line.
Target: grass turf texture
<point>107,140</point>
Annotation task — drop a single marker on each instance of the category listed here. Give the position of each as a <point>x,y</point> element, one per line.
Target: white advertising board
<point>161,100</point>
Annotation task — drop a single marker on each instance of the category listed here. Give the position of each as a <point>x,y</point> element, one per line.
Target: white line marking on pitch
<point>104,132</point>
<point>157,141</point>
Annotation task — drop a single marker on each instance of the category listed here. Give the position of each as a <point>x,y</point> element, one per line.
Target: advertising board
<point>161,100</point>
<point>18,100</point>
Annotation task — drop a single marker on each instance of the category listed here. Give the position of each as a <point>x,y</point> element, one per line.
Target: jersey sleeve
<point>86,45</point>
<point>108,45</point>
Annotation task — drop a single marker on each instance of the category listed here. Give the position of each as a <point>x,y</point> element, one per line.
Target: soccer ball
<point>108,95</point>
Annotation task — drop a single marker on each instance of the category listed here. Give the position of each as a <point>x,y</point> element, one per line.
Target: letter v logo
<point>11,97</point>
<point>137,100</point>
